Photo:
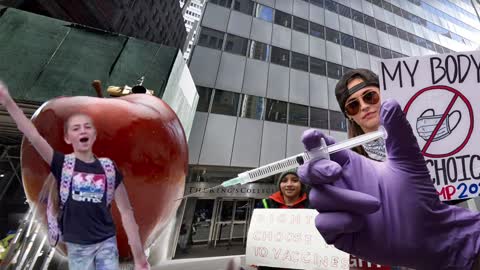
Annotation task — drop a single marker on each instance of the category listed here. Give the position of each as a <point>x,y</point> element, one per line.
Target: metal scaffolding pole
<point>14,163</point>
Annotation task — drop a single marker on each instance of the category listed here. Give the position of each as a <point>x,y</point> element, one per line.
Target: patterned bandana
<point>376,149</point>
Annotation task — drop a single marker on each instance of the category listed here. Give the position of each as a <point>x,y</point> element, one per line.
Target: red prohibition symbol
<point>456,95</point>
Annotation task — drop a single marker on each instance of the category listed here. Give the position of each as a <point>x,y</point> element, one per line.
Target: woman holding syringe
<point>386,212</point>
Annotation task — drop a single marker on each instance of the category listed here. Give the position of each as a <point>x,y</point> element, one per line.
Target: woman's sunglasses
<point>353,107</point>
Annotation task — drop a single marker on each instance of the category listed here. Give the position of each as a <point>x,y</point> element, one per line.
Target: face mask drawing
<point>427,122</point>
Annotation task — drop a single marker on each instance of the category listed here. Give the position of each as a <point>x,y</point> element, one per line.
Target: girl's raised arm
<point>25,125</point>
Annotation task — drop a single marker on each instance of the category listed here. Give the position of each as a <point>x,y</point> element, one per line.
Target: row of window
<point>287,20</point>
<point>444,15</point>
<point>260,108</point>
<point>193,14</point>
<point>257,50</point>
<point>196,5</point>
<point>459,8</point>
<point>419,20</point>
<point>337,8</point>
<point>390,29</point>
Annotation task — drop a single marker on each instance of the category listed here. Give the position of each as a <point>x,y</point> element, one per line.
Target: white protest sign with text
<point>288,238</point>
<point>438,94</point>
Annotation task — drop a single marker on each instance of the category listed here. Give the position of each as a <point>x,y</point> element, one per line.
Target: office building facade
<point>266,71</point>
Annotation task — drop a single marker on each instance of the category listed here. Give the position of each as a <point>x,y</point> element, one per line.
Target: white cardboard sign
<point>439,94</point>
<point>288,238</point>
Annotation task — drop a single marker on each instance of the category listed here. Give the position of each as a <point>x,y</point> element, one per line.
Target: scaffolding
<point>28,249</point>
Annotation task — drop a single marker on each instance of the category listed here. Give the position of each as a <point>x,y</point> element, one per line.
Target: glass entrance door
<point>231,220</point>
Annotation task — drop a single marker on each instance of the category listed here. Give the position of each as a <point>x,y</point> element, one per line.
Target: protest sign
<point>288,238</point>
<point>437,93</point>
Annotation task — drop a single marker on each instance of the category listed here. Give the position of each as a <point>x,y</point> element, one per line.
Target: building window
<point>392,30</point>
<point>263,12</point>
<point>276,111</point>
<point>298,115</point>
<point>344,11</point>
<point>402,34</point>
<point>374,50</point>
<point>397,10</point>
<point>357,16</point>
<point>334,70</point>
<point>300,24</point>
<point>236,44</point>
<point>317,3</point>
<point>430,45</point>
<point>225,102</point>
<point>211,38</point>
<point>204,95</point>
<point>381,26</point>
<point>318,66</point>
<point>421,41</point>
<point>318,118</point>
<point>387,6</point>
<point>347,40</point>
<point>376,2</point>
<point>280,56</point>
<point>331,5</point>
<point>258,50</point>
<point>370,21</point>
<point>283,19</point>
<point>252,107</point>
<point>338,121</point>
<point>332,35</point>
<point>438,48</point>
<point>396,55</point>
<point>345,69</point>
<point>317,30</point>
<point>386,53</point>
<point>223,3</point>
<point>412,38</point>
<point>300,61</point>
<point>244,6</point>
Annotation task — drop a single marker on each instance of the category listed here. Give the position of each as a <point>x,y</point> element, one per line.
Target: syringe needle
<point>293,162</point>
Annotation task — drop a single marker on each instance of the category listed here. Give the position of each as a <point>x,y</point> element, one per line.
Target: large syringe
<point>321,152</point>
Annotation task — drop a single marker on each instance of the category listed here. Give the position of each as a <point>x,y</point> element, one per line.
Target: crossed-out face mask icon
<point>427,122</point>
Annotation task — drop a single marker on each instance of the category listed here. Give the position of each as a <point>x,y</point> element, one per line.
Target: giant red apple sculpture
<point>144,137</point>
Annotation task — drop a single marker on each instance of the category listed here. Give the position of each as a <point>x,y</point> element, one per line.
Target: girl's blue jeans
<point>100,256</point>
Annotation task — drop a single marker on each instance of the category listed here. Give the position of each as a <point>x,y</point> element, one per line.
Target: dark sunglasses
<point>370,97</point>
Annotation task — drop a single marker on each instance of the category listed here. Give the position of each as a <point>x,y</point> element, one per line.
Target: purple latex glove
<point>389,212</point>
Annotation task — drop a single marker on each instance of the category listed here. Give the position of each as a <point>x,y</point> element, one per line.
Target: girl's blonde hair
<point>66,124</point>
<point>49,192</point>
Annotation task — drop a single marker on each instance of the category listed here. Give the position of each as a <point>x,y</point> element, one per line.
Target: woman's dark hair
<point>354,130</point>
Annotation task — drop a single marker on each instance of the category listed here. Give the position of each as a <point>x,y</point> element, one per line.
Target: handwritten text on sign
<point>288,238</point>
<point>438,94</point>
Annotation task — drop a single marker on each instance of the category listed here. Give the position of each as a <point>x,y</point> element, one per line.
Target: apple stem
<point>97,85</point>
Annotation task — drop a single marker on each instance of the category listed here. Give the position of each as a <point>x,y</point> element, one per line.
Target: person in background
<point>291,193</point>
